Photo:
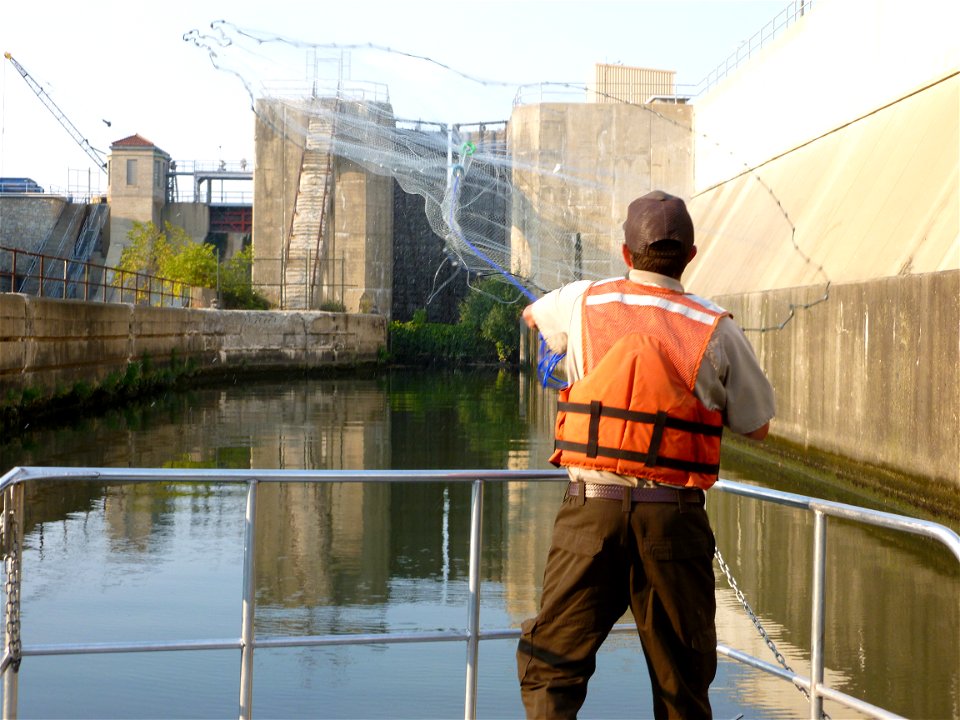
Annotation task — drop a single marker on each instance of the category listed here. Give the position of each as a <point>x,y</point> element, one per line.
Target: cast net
<point>528,217</point>
<point>534,203</point>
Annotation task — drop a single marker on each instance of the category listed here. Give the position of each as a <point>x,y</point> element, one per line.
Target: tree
<point>493,310</point>
<point>170,255</point>
<point>236,288</point>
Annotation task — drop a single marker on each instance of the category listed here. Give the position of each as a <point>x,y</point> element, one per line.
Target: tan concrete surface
<point>48,345</point>
<point>870,373</point>
<point>358,247</point>
<point>879,197</point>
<point>841,61</point>
<point>576,167</point>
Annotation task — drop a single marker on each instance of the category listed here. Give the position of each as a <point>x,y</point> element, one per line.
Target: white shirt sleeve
<point>555,311</point>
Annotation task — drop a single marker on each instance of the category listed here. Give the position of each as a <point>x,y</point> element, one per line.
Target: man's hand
<point>528,317</point>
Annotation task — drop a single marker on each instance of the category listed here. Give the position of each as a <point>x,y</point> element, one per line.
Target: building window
<point>131,172</point>
<point>157,173</point>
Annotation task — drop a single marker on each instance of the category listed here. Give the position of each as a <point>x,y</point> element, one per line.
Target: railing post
<point>473,600</point>
<point>12,552</point>
<point>249,604</point>
<point>817,618</point>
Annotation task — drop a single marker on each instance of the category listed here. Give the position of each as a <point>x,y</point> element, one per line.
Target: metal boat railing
<point>12,485</point>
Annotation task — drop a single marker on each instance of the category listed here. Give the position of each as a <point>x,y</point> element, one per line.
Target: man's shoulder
<point>573,289</point>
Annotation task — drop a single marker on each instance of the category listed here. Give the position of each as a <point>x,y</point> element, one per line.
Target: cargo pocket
<point>681,571</point>
<point>579,542</point>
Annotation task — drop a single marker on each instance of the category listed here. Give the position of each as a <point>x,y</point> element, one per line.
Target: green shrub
<point>436,343</point>
<point>170,254</point>
<point>488,331</point>
<point>236,287</point>
<point>493,311</point>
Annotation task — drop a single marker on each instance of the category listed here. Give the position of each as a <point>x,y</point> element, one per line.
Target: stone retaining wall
<point>48,345</point>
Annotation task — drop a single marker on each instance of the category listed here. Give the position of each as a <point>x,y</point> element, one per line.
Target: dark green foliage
<point>236,289</point>
<point>488,331</point>
<point>138,378</point>
<point>419,342</point>
<point>493,311</point>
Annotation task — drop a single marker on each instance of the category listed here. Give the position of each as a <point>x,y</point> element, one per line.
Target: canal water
<point>162,563</point>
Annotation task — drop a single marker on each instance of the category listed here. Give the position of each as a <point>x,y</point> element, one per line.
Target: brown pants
<point>656,558</point>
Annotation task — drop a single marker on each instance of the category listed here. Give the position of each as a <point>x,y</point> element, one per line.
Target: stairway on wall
<point>305,246</point>
<point>58,243</point>
<point>86,270</point>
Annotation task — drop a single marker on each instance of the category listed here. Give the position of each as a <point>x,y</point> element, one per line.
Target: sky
<point>128,64</point>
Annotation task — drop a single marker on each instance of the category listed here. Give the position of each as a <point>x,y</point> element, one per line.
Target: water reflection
<point>373,557</point>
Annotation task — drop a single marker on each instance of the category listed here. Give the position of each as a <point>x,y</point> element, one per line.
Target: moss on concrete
<point>808,471</point>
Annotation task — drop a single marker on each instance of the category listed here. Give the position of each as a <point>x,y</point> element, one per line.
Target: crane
<point>45,98</point>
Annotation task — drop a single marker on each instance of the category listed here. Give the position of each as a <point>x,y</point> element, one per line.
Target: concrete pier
<point>46,345</point>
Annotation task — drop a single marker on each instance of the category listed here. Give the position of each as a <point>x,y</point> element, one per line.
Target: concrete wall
<point>878,196</point>
<point>194,217</point>
<point>52,344</point>
<point>869,373</point>
<point>840,61</point>
<point>360,254</point>
<point>363,238</point>
<point>827,168</point>
<point>279,152</point>
<point>577,167</point>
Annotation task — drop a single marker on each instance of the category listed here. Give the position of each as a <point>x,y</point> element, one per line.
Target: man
<point>655,374</point>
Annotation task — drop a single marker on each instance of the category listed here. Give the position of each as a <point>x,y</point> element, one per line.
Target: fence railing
<point>289,282</point>
<point>577,92</point>
<point>749,47</point>
<point>69,279</point>
<point>12,486</point>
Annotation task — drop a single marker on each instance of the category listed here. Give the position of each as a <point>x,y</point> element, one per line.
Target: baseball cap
<point>657,216</point>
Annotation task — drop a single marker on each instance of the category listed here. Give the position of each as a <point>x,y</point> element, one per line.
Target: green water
<point>143,562</point>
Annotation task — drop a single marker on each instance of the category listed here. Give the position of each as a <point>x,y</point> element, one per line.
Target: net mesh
<point>524,215</point>
<point>476,195</point>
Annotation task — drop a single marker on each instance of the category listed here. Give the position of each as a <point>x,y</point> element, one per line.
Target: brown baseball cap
<point>657,216</point>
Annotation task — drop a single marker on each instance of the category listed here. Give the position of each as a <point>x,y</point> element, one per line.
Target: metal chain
<point>12,589</point>
<point>758,625</point>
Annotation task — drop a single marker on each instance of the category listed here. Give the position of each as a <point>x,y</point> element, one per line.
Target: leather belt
<point>659,494</point>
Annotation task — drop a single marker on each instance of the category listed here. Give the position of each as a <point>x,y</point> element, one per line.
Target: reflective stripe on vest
<point>680,321</point>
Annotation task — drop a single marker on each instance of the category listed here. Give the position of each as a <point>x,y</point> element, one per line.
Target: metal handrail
<point>791,14</point>
<point>11,488</point>
<point>65,274</point>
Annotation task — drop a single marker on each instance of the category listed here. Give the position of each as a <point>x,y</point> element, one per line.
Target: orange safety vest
<point>634,411</point>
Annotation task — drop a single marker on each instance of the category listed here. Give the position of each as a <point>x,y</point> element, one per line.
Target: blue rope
<point>547,364</point>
